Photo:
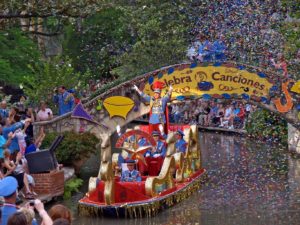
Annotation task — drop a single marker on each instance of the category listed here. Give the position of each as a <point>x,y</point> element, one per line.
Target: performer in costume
<point>180,144</point>
<point>158,106</point>
<point>130,141</point>
<point>156,155</point>
<point>131,174</point>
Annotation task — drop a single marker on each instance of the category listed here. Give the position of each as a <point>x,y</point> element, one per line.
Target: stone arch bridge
<point>264,88</point>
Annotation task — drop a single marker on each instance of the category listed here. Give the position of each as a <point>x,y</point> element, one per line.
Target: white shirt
<point>228,112</point>
<point>43,115</point>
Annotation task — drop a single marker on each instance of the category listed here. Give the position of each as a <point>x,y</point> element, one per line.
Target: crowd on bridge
<point>242,31</point>
<point>211,113</point>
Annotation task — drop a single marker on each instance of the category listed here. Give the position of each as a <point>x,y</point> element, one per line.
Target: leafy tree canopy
<point>98,43</point>
<point>17,51</point>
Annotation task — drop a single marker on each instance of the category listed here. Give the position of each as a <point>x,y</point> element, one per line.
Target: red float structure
<point>178,176</point>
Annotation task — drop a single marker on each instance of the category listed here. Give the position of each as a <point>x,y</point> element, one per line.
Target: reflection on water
<point>249,183</point>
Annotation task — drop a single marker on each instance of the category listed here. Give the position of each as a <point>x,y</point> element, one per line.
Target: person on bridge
<point>180,145</point>
<point>64,99</point>
<point>158,106</point>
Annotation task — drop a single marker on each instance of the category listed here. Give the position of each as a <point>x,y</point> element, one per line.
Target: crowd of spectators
<point>243,31</point>
<point>231,115</point>
<point>11,213</point>
<point>17,139</point>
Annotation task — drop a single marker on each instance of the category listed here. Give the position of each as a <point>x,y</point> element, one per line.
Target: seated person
<point>159,150</point>
<point>155,157</point>
<point>131,175</point>
<point>180,144</point>
<point>129,142</point>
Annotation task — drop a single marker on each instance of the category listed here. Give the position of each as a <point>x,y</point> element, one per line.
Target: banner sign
<point>212,80</point>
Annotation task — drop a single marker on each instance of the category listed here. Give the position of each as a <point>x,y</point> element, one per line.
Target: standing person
<point>4,111</point>
<point>5,143</point>
<point>14,146</point>
<point>180,144</point>
<point>29,115</point>
<point>158,106</point>
<point>60,211</point>
<point>8,189</point>
<point>44,113</point>
<point>16,170</point>
<point>64,100</point>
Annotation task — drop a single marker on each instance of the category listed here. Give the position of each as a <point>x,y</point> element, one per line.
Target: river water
<point>249,183</point>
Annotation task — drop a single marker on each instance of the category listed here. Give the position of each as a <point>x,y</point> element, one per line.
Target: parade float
<point>180,176</point>
<point>165,177</point>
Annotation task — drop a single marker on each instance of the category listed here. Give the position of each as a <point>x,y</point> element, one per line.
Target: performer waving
<point>158,106</point>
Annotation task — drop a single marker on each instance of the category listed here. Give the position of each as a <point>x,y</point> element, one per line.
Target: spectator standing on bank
<point>44,113</point>
<point>4,111</point>
<point>64,100</point>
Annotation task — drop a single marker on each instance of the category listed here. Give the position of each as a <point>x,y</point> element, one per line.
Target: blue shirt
<point>159,149</point>
<point>4,113</point>
<point>8,210</point>
<point>2,142</point>
<point>30,148</point>
<point>236,111</point>
<point>142,142</point>
<point>130,176</point>
<point>157,113</point>
<point>219,47</point>
<point>180,145</point>
<point>14,145</point>
<point>65,102</point>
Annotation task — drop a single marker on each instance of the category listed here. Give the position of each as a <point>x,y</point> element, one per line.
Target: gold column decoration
<point>187,166</point>
<point>195,147</point>
<point>107,176</point>
<point>164,177</point>
<point>179,161</point>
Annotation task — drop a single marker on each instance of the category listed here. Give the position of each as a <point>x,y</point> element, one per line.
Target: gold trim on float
<point>148,209</point>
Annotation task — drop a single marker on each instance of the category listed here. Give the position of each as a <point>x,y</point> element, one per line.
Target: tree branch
<point>45,34</point>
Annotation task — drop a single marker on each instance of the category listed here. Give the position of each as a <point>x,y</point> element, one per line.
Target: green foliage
<point>101,39</point>
<point>16,52</point>
<point>292,7</point>
<point>74,146</point>
<point>48,76</point>
<point>71,186</point>
<point>126,40</point>
<point>265,125</point>
<point>161,34</point>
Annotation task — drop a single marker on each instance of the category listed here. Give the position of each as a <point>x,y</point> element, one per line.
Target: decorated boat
<point>179,175</point>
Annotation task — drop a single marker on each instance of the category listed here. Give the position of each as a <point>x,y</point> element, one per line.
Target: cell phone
<point>31,203</point>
